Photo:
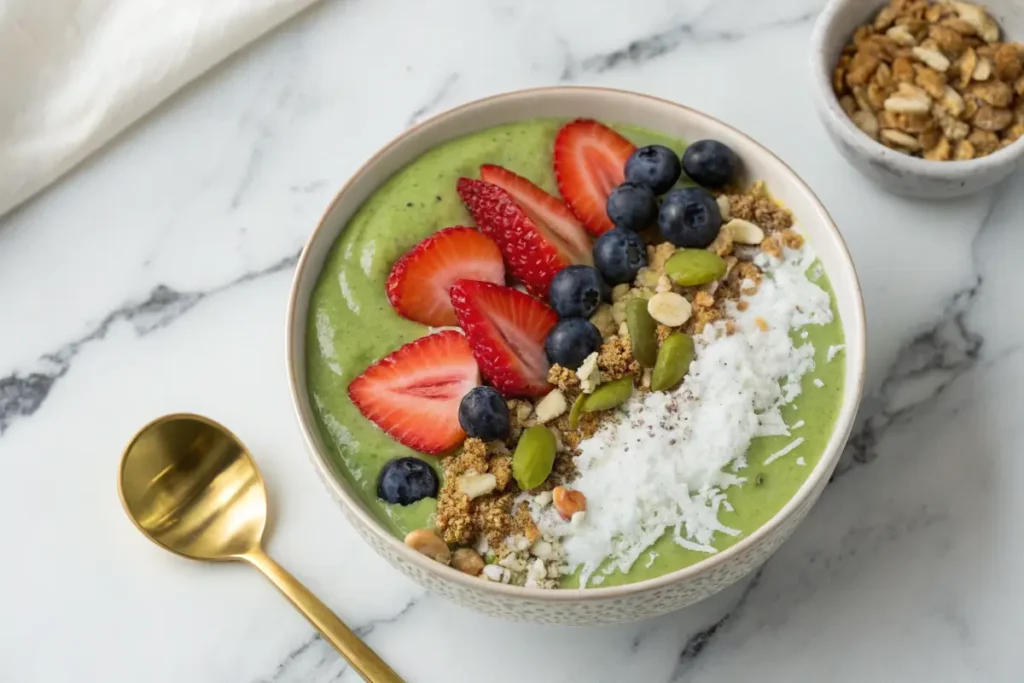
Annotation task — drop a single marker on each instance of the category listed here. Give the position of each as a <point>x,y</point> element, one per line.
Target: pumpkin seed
<point>534,457</point>
<point>643,332</point>
<point>576,411</point>
<point>609,395</point>
<point>674,358</point>
<point>692,267</point>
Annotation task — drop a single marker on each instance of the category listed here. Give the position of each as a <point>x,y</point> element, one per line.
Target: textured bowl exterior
<point>596,605</point>
<point>891,170</point>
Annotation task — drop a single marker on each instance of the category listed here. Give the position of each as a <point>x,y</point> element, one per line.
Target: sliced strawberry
<point>531,257</point>
<point>553,218</point>
<point>419,281</point>
<point>506,329</point>
<point>590,161</point>
<point>414,393</point>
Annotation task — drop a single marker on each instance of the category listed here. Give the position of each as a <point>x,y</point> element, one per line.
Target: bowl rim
<point>867,146</point>
<point>855,330</point>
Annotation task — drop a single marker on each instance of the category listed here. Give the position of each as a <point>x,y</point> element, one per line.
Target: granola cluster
<point>934,80</point>
<point>482,510</point>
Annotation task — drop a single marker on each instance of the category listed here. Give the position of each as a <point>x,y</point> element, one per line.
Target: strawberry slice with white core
<point>414,393</point>
<point>419,281</point>
<point>532,257</point>
<point>590,162</point>
<point>506,330</point>
<point>552,217</point>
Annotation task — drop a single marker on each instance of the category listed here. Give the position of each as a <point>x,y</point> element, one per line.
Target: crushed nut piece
<point>1007,62</point>
<point>992,119</point>
<point>867,122</point>
<point>468,561</point>
<point>588,374</point>
<point>897,138</point>
<point>427,542</point>
<point>983,25</point>
<point>551,406</point>
<point>996,93</point>
<point>723,201</point>
<point>475,485</point>
<point>931,57</point>
<point>568,502</point>
<point>964,151</point>
<point>743,232</point>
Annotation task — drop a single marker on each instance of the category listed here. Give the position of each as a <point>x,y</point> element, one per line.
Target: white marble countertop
<point>153,279</point>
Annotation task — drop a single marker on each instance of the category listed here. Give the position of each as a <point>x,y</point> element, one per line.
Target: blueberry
<point>711,163</point>
<point>483,414</point>
<point>619,254</point>
<point>690,217</point>
<point>577,291</point>
<point>571,341</point>
<point>632,206</point>
<point>655,166</point>
<point>403,481</point>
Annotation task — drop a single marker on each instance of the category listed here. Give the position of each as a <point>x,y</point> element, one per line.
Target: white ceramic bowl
<point>596,605</point>
<point>891,170</point>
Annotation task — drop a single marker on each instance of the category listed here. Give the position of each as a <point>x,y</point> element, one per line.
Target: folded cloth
<point>75,73</point>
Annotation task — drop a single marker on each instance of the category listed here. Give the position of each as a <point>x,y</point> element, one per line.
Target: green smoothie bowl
<point>575,355</point>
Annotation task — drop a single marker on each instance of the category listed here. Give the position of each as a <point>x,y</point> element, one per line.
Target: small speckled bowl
<point>595,605</point>
<point>891,170</point>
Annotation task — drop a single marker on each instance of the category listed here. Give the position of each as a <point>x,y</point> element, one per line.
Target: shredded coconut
<point>800,461</point>
<point>663,464</point>
<point>798,425</point>
<point>788,449</point>
<point>818,383</point>
<point>833,350</point>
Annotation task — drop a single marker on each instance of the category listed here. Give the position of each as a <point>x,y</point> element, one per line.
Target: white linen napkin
<point>75,73</point>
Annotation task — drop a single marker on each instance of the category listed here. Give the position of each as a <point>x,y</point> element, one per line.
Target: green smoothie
<point>351,325</point>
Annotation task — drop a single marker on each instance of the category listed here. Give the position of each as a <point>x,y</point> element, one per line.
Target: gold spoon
<point>192,487</point>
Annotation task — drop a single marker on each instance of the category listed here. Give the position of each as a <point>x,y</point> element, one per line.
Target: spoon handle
<point>364,660</point>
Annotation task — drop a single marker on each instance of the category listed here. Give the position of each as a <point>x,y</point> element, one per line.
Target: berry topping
<point>577,291</point>
<point>711,163</point>
<point>689,217</point>
<point>532,254</point>
<point>483,413</point>
<point>553,219</point>
<point>404,481</point>
<point>419,281</point>
<point>506,330</point>
<point>571,341</point>
<point>633,207</point>
<point>619,255</point>
<point>655,166</point>
<point>589,162</point>
<point>414,393</point>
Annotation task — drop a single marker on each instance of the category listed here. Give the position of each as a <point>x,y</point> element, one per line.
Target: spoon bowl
<point>192,487</point>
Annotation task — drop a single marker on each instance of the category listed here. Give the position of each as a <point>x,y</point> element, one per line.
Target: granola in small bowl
<point>910,93</point>
<point>937,80</point>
